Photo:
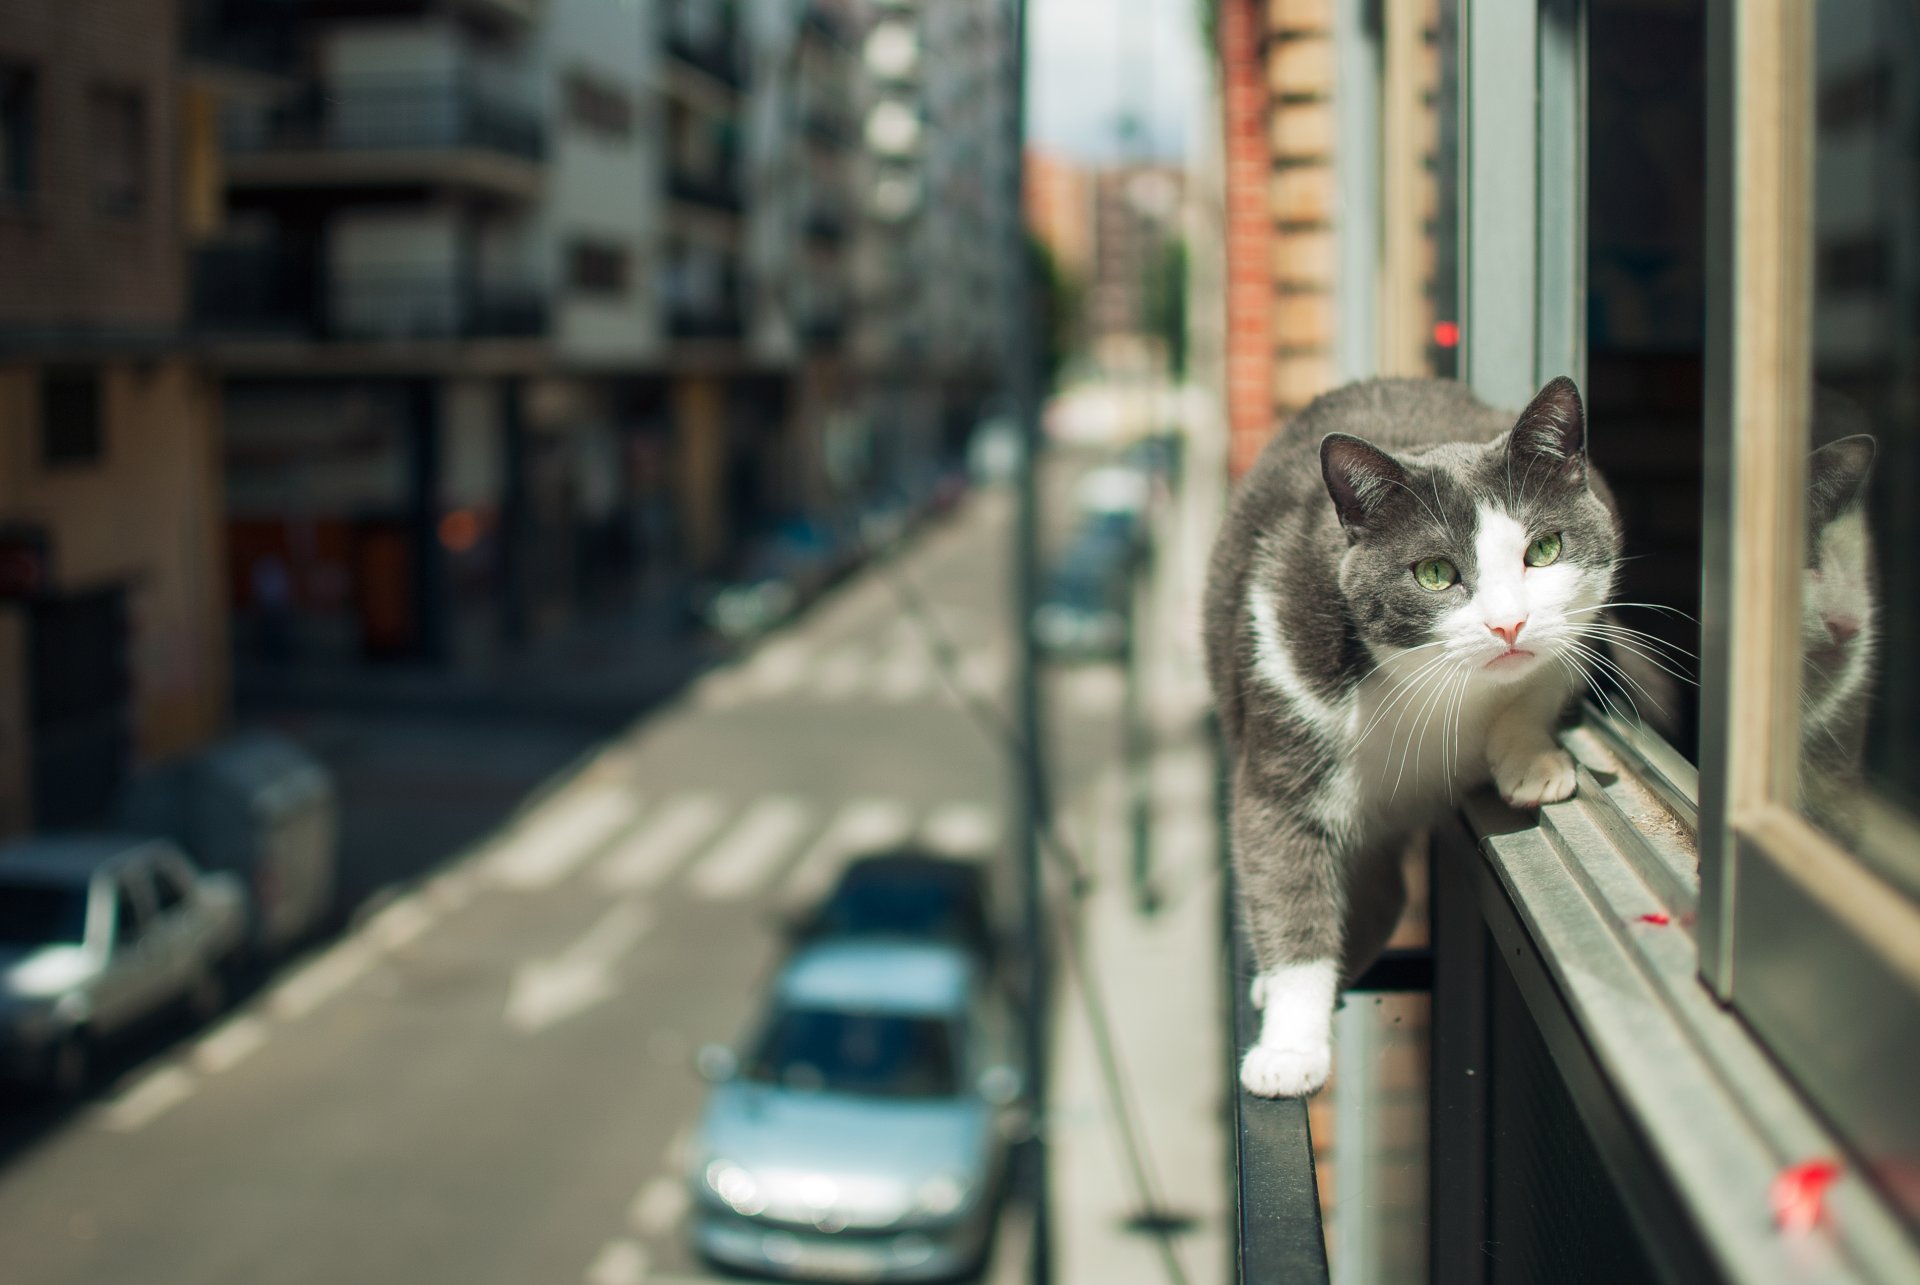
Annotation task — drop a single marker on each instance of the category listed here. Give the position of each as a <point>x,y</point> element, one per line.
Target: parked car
<point>259,806</point>
<point>910,895</point>
<point>98,935</point>
<point>865,1132</point>
<point>1084,612</point>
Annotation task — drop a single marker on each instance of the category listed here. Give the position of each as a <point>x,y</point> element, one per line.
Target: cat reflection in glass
<point>1838,619</point>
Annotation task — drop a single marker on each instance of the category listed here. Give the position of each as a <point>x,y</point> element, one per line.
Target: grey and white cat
<point>1406,594</point>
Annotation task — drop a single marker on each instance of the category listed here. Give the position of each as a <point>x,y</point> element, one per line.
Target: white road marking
<point>651,855</point>
<point>839,674</point>
<point>545,848</point>
<point>400,922</point>
<point>335,969</point>
<point>905,676</point>
<point>984,674</point>
<point>659,1207</point>
<point>149,1099</point>
<point>776,668</point>
<point>545,991</point>
<point>863,825</point>
<point>720,689</point>
<point>621,1262</point>
<point>679,1148</point>
<point>748,854</point>
<point>236,1040</point>
<point>961,829</point>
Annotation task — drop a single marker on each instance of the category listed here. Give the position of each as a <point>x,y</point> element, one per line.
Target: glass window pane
<point>1646,334</point>
<point>1860,615</point>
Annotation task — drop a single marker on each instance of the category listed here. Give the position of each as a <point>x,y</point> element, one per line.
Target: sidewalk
<point>1160,976</point>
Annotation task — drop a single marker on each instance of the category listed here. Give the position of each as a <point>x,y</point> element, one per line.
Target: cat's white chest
<point>1418,743</point>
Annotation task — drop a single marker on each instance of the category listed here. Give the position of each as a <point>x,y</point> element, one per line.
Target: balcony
<point>716,188</point>
<point>388,132</point>
<point>693,321</point>
<point>704,35</point>
<point>262,291</point>
<point>420,305</point>
<point>243,40</point>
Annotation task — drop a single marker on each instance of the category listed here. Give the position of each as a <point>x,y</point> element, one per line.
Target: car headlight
<point>940,1196</point>
<point>736,1186</point>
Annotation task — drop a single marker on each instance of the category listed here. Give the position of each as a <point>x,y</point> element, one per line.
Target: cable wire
<point>998,729</point>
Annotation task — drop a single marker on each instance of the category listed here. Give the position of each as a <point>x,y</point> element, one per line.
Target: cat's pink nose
<point>1509,634</point>
<point>1842,630</point>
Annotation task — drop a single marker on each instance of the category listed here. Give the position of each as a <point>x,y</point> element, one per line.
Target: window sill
<point>1666,1078</point>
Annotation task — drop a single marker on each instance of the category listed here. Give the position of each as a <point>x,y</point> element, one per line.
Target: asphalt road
<point>489,1078</point>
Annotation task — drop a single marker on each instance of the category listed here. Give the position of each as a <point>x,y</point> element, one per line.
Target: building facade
<point>113,644</point>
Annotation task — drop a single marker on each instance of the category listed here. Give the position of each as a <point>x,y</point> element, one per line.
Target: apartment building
<point>935,275</point>
<point>113,647</point>
<point>526,309</point>
<point>1137,223</point>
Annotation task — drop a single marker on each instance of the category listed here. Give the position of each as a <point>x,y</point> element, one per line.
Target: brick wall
<point>1241,29</point>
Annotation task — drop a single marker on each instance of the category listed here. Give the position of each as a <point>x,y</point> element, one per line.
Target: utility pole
<point>1023,346</point>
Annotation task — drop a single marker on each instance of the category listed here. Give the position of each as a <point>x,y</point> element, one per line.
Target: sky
<point>1091,61</point>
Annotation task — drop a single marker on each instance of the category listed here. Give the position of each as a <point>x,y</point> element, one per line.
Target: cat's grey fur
<point>1311,598</point>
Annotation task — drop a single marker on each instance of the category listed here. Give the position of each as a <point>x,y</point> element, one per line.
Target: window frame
<point>20,180</point>
<point>59,447</point>
<point>1821,911</point>
<point>128,106</point>
<point>1693,1078</point>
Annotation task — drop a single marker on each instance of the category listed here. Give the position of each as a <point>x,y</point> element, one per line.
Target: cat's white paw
<point>1529,780</point>
<point>1271,1072</point>
<point>1258,991</point>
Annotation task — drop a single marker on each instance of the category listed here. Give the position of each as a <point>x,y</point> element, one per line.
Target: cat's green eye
<point>1545,551</point>
<point>1435,574</point>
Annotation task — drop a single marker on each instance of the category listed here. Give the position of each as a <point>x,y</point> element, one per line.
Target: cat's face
<point>1837,600</point>
<point>1492,559</point>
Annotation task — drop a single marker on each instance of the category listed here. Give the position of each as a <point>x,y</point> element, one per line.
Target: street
<point>489,1078</point>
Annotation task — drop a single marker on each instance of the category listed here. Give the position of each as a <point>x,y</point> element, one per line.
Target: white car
<point>98,935</point>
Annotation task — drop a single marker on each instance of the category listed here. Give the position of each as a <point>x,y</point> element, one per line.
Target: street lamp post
<point>1022,383</point>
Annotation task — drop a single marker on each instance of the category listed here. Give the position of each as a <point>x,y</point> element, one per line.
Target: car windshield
<point>873,1054</point>
<point>41,914</point>
<point>915,910</point>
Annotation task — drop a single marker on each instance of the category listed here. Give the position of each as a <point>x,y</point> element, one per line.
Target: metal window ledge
<point>1693,1120</point>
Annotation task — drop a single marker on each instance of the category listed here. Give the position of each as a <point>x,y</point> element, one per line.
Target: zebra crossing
<point>895,669</point>
<point>717,848</point>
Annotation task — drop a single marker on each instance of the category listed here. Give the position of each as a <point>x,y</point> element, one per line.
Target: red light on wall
<point>1446,334</point>
<point>460,530</point>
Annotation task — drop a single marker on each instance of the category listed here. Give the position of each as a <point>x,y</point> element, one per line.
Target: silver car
<point>99,933</point>
<point>865,1133</point>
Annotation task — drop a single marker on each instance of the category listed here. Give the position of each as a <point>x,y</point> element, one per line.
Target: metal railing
<point>1278,1235</point>
<point>705,35</point>
<point>265,289</point>
<point>381,113</point>
<point>255,36</point>
<point>718,188</point>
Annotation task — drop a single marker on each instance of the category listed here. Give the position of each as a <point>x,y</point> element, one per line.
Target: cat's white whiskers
<point>1613,670</point>
<point>1400,688</point>
<point>1658,661</point>
<point>1437,692</point>
<point>1407,699</point>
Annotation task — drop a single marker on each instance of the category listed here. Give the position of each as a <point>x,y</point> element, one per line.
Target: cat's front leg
<point>1290,892</point>
<point>1528,767</point>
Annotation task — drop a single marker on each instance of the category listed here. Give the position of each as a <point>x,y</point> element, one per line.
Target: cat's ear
<point>1836,474</point>
<point>1361,478</point>
<point>1550,437</point>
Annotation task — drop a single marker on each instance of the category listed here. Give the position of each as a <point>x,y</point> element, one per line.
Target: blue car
<point>864,1131</point>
